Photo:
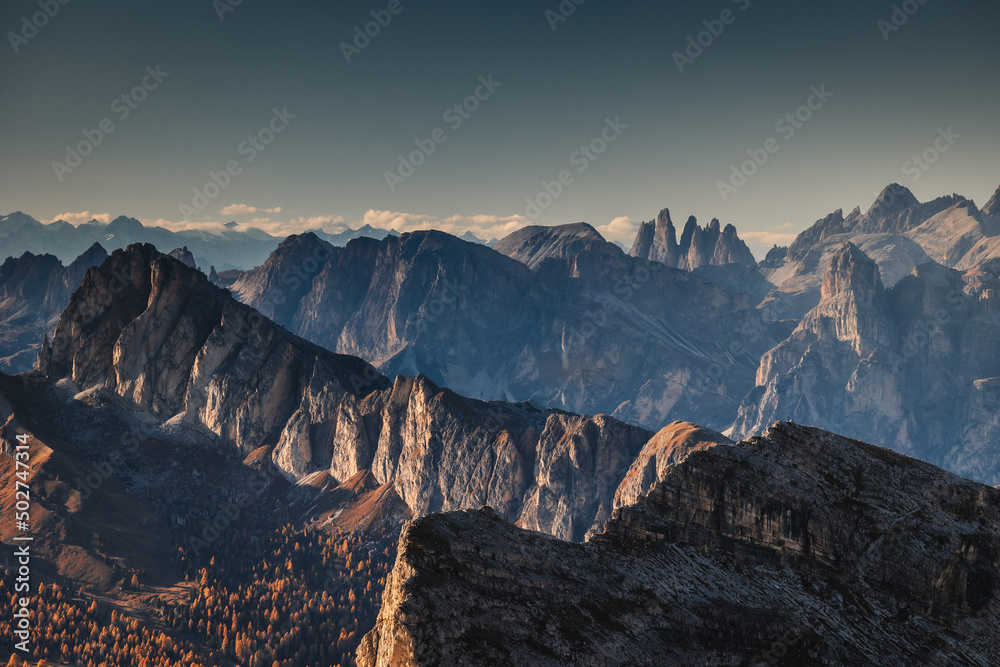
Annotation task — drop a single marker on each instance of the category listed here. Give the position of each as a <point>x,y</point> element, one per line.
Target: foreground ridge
<point>799,544</point>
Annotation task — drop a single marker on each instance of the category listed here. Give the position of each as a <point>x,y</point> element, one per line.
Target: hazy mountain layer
<point>592,330</point>
<point>34,290</point>
<point>912,367</point>
<point>236,247</point>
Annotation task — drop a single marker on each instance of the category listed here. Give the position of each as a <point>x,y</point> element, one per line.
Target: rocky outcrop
<point>34,289</point>
<point>184,256</point>
<point>898,232</point>
<point>534,244</point>
<point>670,446</point>
<point>993,205</point>
<point>798,547</point>
<point>895,211</point>
<point>657,241</point>
<point>907,367</point>
<point>277,287</point>
<point>159,336</point>
<point>591,330</point>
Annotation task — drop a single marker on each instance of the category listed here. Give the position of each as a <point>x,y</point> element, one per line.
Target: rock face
<point>184,256</point>
<point>667,448</point>
<point>910,367</point>
<point>993,205</point>
<point>798,547</point>
<point>534,244</point>
<point>898,232</point>
<point>657,241</point>
<point>591,330</point>
<point>34,289</point>
<point>157,334</point>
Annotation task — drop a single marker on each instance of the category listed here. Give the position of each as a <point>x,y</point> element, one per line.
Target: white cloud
<point>621,229</point>
<point>328,223</point>
<point>278,228</point>
<point>82,217</point>
<point>484,226</point>
<point>768,238</point>
<point>243,209</point>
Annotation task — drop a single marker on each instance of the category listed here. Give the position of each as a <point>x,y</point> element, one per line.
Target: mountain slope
<point>534,244</point>
<point>909,367</point>
<point>798,547</point>
<point>34,289</point>
<point>155,333</point>
<point>898,232</point>
<point>596,331</point>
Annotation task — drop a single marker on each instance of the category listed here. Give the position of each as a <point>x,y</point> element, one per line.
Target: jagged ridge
<point>799,545</point>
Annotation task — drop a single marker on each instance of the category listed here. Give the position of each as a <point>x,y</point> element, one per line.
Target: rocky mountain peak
<point>892,199</point>
<point>851,270</point>
<point>277,287</point>
<point>184,256</point>
<point>17,221</point>
<point>95,254</point>
<point>832,224</point>
<point>671,445</point>
<point>993,205</point>
<point>124,224</point>
<point>708,246</point>
<point>534,244</point>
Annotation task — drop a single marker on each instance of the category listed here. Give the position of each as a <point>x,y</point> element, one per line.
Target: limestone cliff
<point>708,246</point>
<point>157,334</point>
<point>910,367</point>
<point>799,547</point>
<point>590,330</point>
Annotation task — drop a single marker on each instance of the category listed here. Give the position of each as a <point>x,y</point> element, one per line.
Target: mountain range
<point>589,329</point>
<point>558,316</point>
<point>234,247</point>
<point>161,398</point>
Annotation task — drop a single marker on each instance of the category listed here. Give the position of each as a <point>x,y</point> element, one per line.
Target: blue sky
<point>552,93</point>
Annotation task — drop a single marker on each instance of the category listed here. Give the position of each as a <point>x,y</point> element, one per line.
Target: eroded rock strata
<point>157,334</point>
<point>797,547</point>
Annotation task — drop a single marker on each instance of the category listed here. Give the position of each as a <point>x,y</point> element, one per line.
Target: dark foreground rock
<point>798,548</point>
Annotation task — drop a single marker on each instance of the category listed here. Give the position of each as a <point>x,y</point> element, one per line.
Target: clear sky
<point>892,91</point>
